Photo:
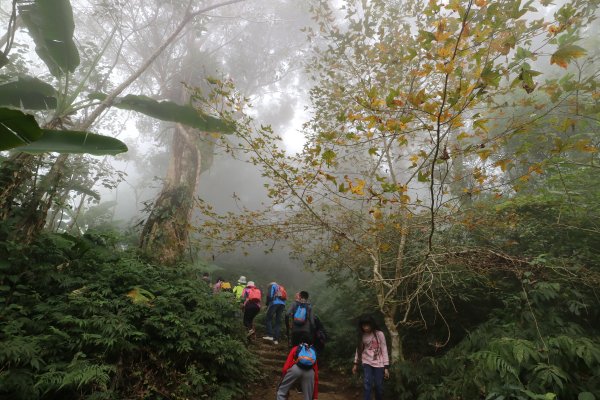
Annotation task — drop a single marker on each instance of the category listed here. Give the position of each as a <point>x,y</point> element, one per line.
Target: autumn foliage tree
<point>419,107</point>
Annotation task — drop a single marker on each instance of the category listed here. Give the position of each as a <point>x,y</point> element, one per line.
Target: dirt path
<point>332,386</point>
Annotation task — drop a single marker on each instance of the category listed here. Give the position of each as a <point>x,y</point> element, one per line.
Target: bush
<point>82,320</point>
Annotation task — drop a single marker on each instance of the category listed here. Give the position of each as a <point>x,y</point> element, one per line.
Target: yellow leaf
<point>484,154</point>
<point>309,199</point>
<point>414,159</point>
<point>430,107</point>
<point>537,168</point>
<point>445,52</point>
<point>376,212</point>
<point>480,123</point>
<point>356,188</point>
<point>463,135</point>
<point>140,296</point>
<point>480,3</point>
<point>503,164</point>
<point>564,54</point>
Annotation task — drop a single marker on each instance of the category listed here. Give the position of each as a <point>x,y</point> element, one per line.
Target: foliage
<point>416,107</point>
<point>82,319</point>
<point>169,111</point>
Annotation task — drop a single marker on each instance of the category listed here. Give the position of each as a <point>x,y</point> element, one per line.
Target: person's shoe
<point>268,338</point>
<point>275,342</point>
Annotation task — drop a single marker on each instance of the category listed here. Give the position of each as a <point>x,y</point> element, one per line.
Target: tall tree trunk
<point>35,211</point>
<point>165,236</point>
<point>15,174</point>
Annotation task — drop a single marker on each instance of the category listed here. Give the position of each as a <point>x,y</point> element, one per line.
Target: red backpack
<point>281,293</point>
<point>254,294</point>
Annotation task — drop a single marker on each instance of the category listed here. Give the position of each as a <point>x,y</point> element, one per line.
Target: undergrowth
<point>80,319</point>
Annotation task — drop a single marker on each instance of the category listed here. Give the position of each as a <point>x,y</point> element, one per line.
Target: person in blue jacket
<point>276,297</point>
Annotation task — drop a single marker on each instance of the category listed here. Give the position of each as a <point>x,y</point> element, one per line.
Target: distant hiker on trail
<point>217,286</point>
<point>301,364</point>
<point>251,304</point>
<point>226,287</point>
<point>239,288</point>
<point>301,319</point>
<point>276,297</point>
<point>372,354</point>
<point>206,278</point>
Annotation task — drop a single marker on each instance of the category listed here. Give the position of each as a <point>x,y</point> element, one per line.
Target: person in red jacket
<point>301,364</point>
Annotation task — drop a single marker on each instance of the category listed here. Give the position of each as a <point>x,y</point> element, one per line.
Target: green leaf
<point>17,129</point>
<point>565,54</point>
<point>490,77</point>
<point>586,396</point>
<point>27,92</point>
<point>169,111</point>
<point>328,156</point>
<point>423,177</point>
<point>50,24</point>
<point>75,142</point>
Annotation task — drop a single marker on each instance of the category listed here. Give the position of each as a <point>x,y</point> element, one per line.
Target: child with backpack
<point>251,305</point>
<point>372,354</point>
<point>301,365</point>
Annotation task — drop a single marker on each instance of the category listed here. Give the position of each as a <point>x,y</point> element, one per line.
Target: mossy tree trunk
<point>165,236</point>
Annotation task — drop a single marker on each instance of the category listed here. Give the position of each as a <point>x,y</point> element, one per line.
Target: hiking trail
<point>332,385</point>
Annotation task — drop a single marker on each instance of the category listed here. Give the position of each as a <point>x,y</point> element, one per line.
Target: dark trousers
<point>250,311</point>
<point>373,377</point>
<point>297,337</point>
<point>274,310</point>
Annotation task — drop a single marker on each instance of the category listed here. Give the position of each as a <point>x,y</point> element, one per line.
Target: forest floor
<point>332,385</point>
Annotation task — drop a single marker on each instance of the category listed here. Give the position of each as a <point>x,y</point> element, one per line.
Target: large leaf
<point>27,92</point>
<point>565,54</point>
<point>21,130</point>
<point>170,111</point>
<point>17,129</point>
<point>50,24</point>
<point>74,142</point>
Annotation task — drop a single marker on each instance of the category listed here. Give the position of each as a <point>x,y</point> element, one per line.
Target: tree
<point>404,102</point>
<point>62,61</point>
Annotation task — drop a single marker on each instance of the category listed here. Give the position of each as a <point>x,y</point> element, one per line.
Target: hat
<point>242,279</point>
<point>251,283</point>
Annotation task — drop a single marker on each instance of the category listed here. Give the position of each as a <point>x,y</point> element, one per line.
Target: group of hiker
<point>306,337</point>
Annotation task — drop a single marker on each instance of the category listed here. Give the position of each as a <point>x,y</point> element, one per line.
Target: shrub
<point>83,320</point>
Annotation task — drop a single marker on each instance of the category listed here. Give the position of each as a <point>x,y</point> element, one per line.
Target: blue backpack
<point>301,314</point>
<point>306,357</point>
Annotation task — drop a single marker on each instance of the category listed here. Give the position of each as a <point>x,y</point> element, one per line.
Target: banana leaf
<point>170,111</point>
<point>17,128</point>
<point>63,141</point>
<point>27,92</point>
<point>21,131</point>
<point>51,25</point>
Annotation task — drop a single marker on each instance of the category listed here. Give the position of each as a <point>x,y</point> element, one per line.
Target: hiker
<point>276,297</point>
<point>226,287</point>
<point>206,278</point>
<point>301,364</point>
<point>217,286</point>
<point>319,336</point>
<point>372,354</point>
<point>251,304</point>
<point>301,319</point>
<point>239,288</point>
